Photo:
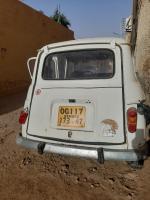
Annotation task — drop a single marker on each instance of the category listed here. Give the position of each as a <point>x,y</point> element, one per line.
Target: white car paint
<point>106,101</point>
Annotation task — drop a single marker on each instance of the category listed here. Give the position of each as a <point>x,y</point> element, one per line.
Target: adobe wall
<point>142,47</point>
<point>22,31</point>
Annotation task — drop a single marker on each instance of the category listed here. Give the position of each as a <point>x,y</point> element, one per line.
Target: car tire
<point>136,164</point>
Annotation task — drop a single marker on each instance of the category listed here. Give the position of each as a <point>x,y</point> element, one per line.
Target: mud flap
<point>100,153</point>
<point>41,147</point>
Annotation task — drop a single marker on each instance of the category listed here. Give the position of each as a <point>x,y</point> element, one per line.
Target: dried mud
<point>24,174</point>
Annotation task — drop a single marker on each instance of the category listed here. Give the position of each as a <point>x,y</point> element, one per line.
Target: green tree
<point>60,18</point>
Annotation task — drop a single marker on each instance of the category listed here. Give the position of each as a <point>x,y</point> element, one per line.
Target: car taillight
<point>23,117</point>
<point>132,119</point>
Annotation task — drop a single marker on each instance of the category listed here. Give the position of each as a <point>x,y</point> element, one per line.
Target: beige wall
<point>22,31</point>
<point>142,46</point>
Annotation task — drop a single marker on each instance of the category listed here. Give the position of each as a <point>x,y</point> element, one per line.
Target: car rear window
<point>79,65</point>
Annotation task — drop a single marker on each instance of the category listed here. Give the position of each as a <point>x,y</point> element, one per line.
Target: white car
<point>83,100</point>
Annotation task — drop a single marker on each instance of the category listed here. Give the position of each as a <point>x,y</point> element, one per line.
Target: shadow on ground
<point>12,102</point>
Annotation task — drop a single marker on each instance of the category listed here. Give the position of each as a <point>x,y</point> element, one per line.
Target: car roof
<point>86,41</point>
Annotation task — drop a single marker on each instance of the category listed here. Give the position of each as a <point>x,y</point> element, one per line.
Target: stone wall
<point>23,30</point>
<point>142,42</point>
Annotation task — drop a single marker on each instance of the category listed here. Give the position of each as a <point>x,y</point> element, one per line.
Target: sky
<point>89,18</point>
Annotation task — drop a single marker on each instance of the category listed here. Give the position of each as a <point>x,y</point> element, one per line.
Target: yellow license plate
<point>71,116</point>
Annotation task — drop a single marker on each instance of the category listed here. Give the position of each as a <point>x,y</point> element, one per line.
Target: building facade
<point>140,42</point>
<point>23,31</point>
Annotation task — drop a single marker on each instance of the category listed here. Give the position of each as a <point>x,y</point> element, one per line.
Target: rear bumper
<point>99,154</point>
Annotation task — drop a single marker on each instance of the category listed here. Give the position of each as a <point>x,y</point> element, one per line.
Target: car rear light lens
<point>132,119</point>
<point>23,117</point>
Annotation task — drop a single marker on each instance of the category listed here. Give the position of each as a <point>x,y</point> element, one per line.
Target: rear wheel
<point>136,164</point>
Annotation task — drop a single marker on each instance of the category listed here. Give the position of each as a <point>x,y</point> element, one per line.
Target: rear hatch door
<point>78,96</point>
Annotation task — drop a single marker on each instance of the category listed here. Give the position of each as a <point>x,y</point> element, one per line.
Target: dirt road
<point>26,175</point>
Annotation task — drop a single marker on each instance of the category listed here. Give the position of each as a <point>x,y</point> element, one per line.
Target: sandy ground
<point>27,175</point>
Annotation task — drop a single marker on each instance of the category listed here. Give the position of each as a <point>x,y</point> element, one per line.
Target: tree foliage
<point>60,18</point>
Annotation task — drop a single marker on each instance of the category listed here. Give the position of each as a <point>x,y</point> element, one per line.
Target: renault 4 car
<point>83,101</point>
